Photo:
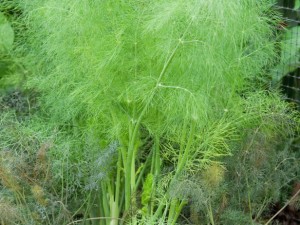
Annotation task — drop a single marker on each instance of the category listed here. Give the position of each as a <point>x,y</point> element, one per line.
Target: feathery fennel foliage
<point>131,58</point>
<point>163,78</point>
<point>33,187</point>
<point>242,187</point>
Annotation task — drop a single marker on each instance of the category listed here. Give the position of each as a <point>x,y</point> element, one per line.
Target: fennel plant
<point>160,81</point>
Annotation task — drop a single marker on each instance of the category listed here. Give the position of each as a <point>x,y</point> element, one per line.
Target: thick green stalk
<point>158,212</point>
<point>181,163</point>
<point>118,181</point>
<point>142,172</point>
<point>210,213</point>
<point>175,210</point>
<point>114,196</point>
<point>178,211</point>
<point>114,212</point>
<point>130,165</point>
<point>105,202</point>
<point>157,159</point>
<point>183,157</point>
<point>172,210</point>
<point>155,168</point>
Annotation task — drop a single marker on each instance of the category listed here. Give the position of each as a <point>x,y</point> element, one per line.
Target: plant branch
<point>286,204</point>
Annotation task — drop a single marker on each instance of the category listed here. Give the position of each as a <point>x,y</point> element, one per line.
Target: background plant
<point>260,172</point>
<point>32,187</point>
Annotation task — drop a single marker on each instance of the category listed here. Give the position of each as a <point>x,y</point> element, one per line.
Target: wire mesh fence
<point>287,72</point>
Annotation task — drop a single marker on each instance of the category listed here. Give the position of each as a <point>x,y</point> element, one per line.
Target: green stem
<point>172,210</point>
<point>141,174</point>
<point>130,164</point>
<point>101,210</point>
<point>113,205</point>
<point>130,159</point>
<point>158,212</point>
<point>130,171</point>
<point>114,213</point>
<point>210,214</point>
<point>118,182</point>
<point>105,202</point>
<point>157,157</point>
<point>155,169</point>
<point>114,208</point>
<point>183,158</point>
<point>249,200</point>
<point>178,211</point>
<point>182,162</point>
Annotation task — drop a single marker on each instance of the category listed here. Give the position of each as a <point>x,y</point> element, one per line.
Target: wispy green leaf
<point>6,34</point>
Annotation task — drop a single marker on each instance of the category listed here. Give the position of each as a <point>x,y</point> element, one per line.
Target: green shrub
<point>154,92</point>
